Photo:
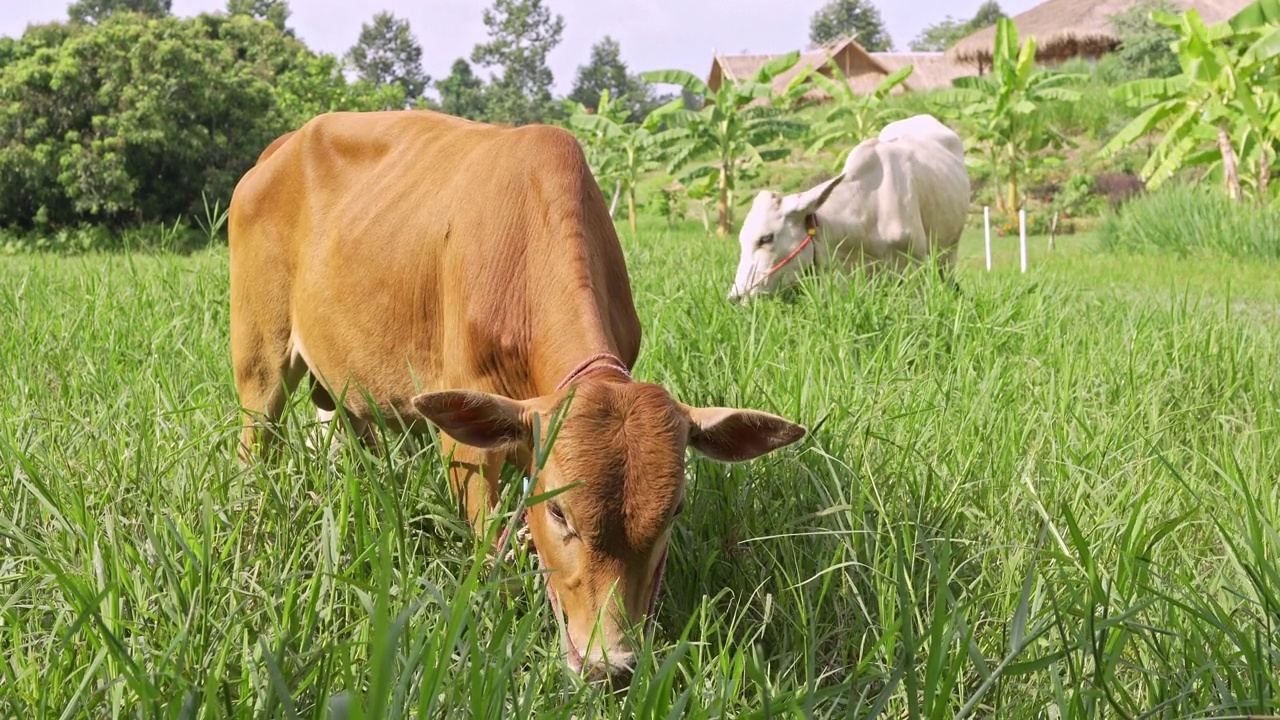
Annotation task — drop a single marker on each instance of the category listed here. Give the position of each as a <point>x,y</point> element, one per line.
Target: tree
<point>841,18</point>
<point>941,36</point>
<point>988,14</point>
<point>462,93</point>
<point>606,71</point>
<point>623,150</point>
<point>388,53</point>
<point>95,11</point>
<point>1223,99</point>
<point>1146,46</point>
<point>853,116</point>
<point>1008,106</point>
<point>137,119</point>
<point>521,35</point>
<point>736,130</point>
<point>276,12</point>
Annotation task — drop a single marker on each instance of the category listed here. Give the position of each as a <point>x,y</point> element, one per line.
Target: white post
<point>617,190</point>
<point>1022,234</point>
<point>986,223</point>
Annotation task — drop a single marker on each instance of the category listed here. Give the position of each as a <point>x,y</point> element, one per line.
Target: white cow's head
<point>771,240</point>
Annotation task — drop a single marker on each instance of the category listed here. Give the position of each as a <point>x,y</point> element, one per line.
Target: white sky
<point>654,34</point>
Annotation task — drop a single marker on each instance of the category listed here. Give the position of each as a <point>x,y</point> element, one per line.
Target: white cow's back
<point>906,191</point>
<point>925,127</point>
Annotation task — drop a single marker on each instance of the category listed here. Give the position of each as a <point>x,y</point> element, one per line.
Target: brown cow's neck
<point>571,322</point>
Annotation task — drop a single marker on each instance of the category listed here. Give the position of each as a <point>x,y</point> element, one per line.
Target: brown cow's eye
<point>765,240</point>
<point>556,511</point>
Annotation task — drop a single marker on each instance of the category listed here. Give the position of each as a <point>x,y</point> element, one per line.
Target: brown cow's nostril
<point>620,678</point>
<point>618,672</point>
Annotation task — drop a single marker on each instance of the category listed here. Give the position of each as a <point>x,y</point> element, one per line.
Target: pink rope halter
<point>587,364</point>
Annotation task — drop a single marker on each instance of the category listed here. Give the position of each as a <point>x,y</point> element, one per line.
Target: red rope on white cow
<point>810,232</point>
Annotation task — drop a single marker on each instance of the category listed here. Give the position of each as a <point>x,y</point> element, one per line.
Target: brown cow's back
<point>414,251</point>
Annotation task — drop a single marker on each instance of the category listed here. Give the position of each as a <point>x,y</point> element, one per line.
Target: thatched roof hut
<point>863,70</point>
<point>932,70</point>
<point>1069,28</point>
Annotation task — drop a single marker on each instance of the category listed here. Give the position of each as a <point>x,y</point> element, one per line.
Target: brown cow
<point>469,275</point>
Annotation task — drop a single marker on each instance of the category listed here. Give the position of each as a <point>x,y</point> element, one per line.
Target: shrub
<point>1117,187</point>
<point>148,237</point>
<point>134,119</point>
<point>1186,219</point>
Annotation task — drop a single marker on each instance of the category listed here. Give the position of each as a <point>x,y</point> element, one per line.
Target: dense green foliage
<point>1146,45</point>
<point>138,118</point>
<point>276,12</point>
<point>92,151</point>
<point>736,132</point>
<point>619,150</point>
<point>842,18</point>
<point>1049,496</point>
<point>95,11</point>
<point>521,34</point>
<point>1189,218</point>
<point>387,53</point>
<point>945,33</point>
<point>852,117</point>
<point>462,92</point>
<point>606,71</point>
<point>1223,110</point>
<point>1006,107</point>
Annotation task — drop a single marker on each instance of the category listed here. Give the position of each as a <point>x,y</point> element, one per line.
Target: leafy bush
<point>175,237</point>
<point>1185,219</point>
<point>1117,187</point>
<point>133,119</point>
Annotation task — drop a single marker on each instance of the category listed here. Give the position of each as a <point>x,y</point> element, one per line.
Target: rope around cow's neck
<point>810,235</point>
<point>585,365</point>
<point>577,372</point>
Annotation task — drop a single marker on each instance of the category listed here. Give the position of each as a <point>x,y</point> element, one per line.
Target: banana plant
<point>624,151</point>
<point>854,117</point>
<point>595,145</point>
<point>738,127</point>
<point>1224,100</point>
<point>1006,107</point>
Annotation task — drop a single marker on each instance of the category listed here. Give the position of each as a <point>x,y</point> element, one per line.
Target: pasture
<point>1052,495</point>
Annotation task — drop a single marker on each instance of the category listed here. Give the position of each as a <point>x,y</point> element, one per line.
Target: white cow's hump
<point>924,128</point>
<point>906,188</point>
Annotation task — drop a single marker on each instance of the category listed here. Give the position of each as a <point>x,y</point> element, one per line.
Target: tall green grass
<point>1048,495</point>
<point>1189,219</point>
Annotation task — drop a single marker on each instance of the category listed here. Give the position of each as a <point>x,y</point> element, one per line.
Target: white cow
<point>901,197</point>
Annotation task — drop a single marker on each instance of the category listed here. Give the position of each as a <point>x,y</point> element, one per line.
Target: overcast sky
<point>654,34</point>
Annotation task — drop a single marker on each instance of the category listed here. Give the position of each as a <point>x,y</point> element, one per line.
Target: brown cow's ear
<point>475,418</point>
<point>731,435</point>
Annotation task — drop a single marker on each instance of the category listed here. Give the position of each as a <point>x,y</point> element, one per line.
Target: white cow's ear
<point>475,418</point>
<point>810,200</point>
<point>732,435</point>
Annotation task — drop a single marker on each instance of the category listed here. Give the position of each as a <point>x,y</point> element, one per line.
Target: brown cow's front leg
<point>474,475</point>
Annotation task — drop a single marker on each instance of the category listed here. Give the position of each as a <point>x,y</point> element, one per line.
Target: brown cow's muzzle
<point>618,666</point>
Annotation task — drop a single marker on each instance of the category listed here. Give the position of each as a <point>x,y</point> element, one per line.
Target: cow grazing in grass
<point>902,197</point>
<point>435,271</point>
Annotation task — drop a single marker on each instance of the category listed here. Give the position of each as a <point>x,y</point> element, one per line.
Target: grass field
<point>1051,496</point>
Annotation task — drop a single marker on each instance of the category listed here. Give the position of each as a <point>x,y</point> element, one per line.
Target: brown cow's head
<point>606,539</point>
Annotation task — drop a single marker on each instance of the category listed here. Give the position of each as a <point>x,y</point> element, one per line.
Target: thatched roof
<point>933,70</point>
<point>1066,28</point>
<point>864,70</point>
